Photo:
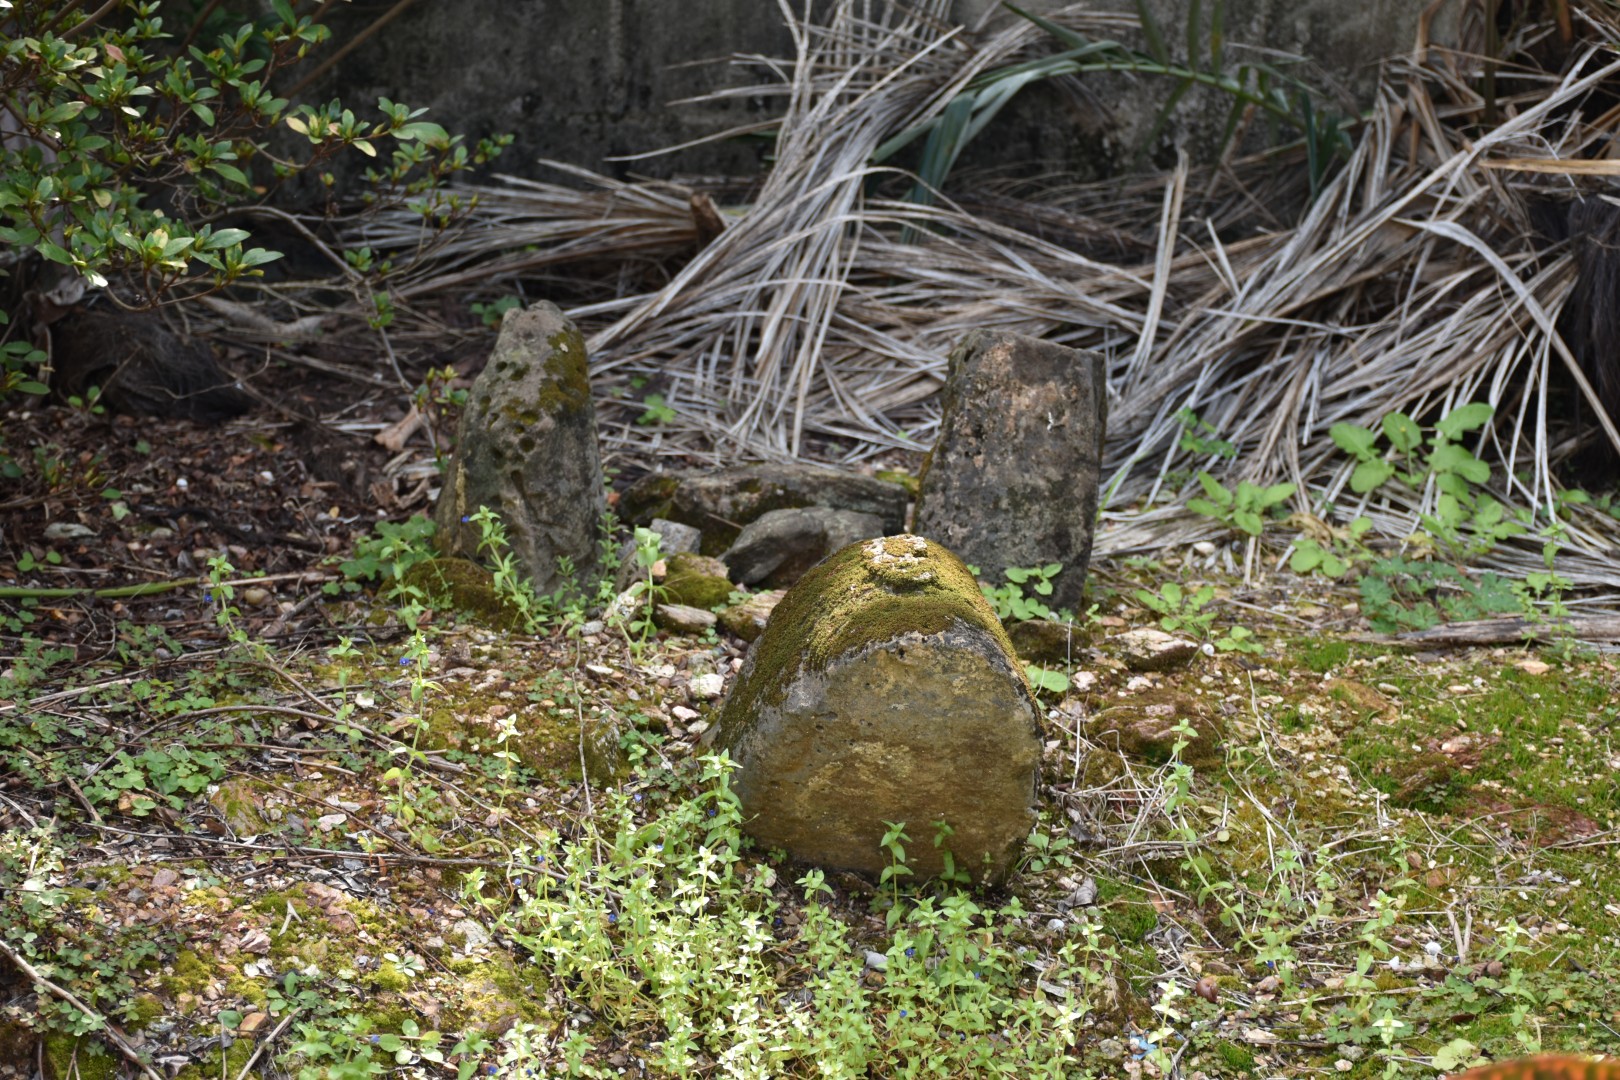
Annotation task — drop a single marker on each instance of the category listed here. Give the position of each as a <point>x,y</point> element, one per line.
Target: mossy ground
<point>1422,841</point>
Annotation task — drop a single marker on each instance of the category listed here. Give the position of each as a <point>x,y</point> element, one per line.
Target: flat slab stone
<point>1012,479</point>
<point>884,689</point>
<point>721,501</point>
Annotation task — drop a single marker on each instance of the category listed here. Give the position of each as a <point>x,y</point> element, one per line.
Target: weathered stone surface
<point>884,689</point>
<point>680,619</point>
<point>1046,641</point>
<point>1012,479</point>
<point>778,547</point>
<point>722,501</point>
<point>526,448</point>
<point>1148,649</point>
<point>747,620</point>
<point>696,581</point>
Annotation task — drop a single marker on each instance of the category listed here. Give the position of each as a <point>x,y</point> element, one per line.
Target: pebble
<point>684,714</point>
<point>876,961</point>
<point>474,936</point>
<point>708,686</point>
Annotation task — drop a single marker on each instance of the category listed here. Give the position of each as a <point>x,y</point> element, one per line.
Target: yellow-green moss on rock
<point>696,581</point>
<point>465,586</point>
<point>885,689</point>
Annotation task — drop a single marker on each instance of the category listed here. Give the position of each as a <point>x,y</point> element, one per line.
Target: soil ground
<point>266,830</point>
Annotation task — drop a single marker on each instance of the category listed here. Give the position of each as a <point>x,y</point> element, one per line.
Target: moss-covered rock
<point>1046,641</point>
<point>1145,727</point>
<point>885,689</point>
<point>465,586</point>
<point>696,581</point>
<point>526,448</point>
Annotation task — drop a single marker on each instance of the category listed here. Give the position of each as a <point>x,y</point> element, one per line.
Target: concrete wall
<point>585,80</point>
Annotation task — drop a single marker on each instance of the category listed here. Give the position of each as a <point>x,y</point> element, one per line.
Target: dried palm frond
<point>817,321</point>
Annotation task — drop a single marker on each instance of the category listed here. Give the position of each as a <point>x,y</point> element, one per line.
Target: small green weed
<point>1245,509</point>
<point>492,313</point>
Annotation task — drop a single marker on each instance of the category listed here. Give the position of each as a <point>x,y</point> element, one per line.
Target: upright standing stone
<point>1012,479</point>
<point>884,689</point>
<point>526,448</point>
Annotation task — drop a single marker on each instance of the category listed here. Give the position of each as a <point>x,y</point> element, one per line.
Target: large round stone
<point>884,689</point>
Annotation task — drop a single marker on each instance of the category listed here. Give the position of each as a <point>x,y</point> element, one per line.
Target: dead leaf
<point>1532,666</point>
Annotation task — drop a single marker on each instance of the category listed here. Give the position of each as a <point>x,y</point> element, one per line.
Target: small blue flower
<point>464,520</point>
<point>902,1014</point>
<point>712,811</point>
<point>404,660</point>
<point>208,597</point>
<point>375,1039</point>
<point>613,916</point>
<point>638,796</point>
<point>489,1070</point>
<point>911,950</point>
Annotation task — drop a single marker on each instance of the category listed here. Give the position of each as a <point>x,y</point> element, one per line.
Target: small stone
<point>1111,1049</point>
<point>685,715</point>
<point>1533,667</point>
<point>252,1023</point>
<point>328,822</point>
<point>876,961</point>
<point>681,619</point>
<point>255,597</point>
<point>748,619</point>
<point>1148,649</point>
<point>592,627</point>
<point>777,548</point>
<point>68,530</point>
<point>1056,926</point>
<point>708,686</point>
<point>164,878</point>
<point>473,935</point>
<point>1083,682</point>
<point>675,538</point>
<point>1204,547</point>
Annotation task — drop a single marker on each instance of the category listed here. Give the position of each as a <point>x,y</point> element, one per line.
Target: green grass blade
<point>1195,19</point>
<point>1154,33</point>
<point>1217,35</point>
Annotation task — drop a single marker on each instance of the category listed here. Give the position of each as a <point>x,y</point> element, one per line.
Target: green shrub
<point>133,142</point>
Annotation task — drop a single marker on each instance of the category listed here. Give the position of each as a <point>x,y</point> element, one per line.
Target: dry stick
<point>106,1028</point>
<point>265,1043</point>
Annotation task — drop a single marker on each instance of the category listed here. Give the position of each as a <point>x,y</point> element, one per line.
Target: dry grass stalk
<point>812,326</point>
